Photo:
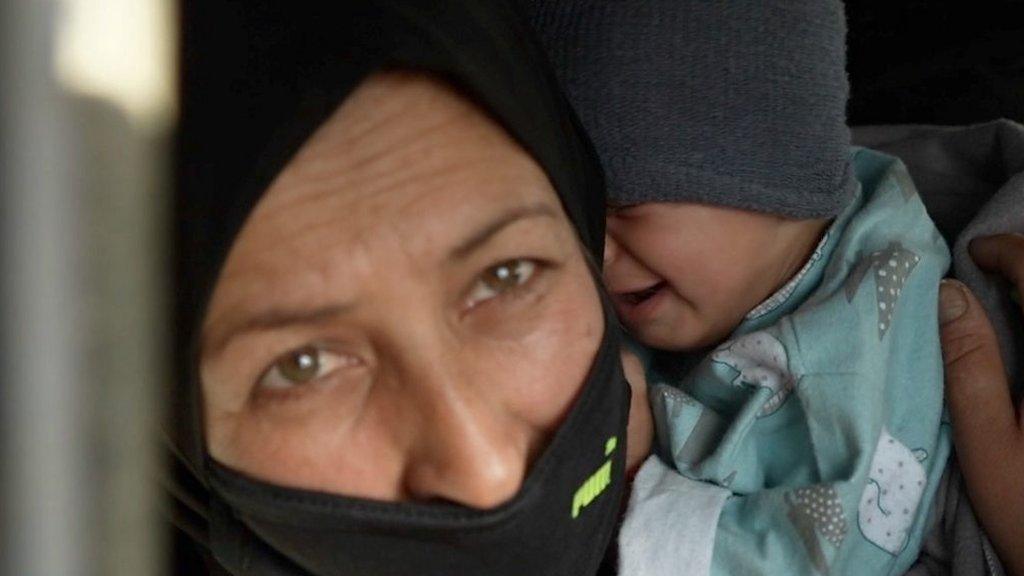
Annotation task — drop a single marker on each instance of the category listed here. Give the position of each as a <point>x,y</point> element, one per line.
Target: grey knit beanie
<point>737,103</point>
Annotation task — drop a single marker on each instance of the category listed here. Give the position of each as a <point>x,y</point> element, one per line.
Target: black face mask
<point>559,523</point>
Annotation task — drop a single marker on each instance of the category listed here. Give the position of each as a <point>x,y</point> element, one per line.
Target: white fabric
<point>670,523</point>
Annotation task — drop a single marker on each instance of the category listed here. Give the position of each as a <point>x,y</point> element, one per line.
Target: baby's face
<point>683,275</point>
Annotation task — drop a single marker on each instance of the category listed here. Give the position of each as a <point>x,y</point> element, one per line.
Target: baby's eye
<point>303,366</point>
<point>501,278</point>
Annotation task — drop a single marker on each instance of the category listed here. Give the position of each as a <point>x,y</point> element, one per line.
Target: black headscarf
<point>279,70</point>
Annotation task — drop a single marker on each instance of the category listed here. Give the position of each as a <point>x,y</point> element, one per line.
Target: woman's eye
<point>302,366</point>
<point>501,278</point>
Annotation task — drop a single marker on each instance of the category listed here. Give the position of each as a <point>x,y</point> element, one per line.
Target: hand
<point>987,430</point>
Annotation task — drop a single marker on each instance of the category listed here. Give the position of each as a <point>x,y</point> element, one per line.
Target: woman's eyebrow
<point>489,230</point>
<point>275,318</point>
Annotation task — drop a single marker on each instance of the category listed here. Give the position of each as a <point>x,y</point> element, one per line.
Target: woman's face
<point>406,314</point>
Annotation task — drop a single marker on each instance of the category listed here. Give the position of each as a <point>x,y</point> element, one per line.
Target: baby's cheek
<point>729,290</point>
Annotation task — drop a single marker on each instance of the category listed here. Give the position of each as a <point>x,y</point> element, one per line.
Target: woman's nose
<point>466,452</point>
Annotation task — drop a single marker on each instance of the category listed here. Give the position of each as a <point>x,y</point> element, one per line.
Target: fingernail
<point>952,301</point>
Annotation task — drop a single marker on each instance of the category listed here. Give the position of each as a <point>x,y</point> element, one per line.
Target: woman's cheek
<point>559,353</point>
<point>329,449</point>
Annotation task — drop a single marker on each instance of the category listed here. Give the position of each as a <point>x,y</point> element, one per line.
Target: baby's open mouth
<point>640,296</point>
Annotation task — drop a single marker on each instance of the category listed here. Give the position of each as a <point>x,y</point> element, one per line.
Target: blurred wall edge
<point>83,174</point>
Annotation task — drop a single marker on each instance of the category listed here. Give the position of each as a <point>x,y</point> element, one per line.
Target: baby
<point>807,436</point>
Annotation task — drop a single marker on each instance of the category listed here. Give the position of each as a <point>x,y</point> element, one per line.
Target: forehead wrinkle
<point>361,209</point>
<point>347,224</point>
<point>383,172</point>
<point>378,198</point>
<point>422,176</point>
<point>334,165</point>
<point>379,132</point>
<point>381,102</point>
<point>314,206</point>
<point>396,128</point>
<point>415,225</point>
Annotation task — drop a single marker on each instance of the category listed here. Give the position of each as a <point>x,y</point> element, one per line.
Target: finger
<point>988,440</point>
<point>1003,253</point>
<point>976,385</point>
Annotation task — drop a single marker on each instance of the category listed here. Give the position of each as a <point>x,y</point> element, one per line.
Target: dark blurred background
<point>931,62</point>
